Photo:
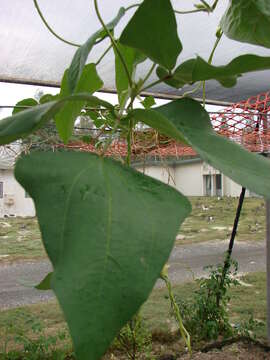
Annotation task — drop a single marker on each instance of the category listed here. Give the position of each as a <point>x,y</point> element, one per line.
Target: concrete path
<point>186,261</point>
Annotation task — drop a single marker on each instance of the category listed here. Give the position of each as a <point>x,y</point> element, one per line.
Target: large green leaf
<point>198,69</point>
<point>81,55</point>
<point>132,58</point>
<point>153,30</point>
<point>108,231</point>
<point>25,122</point>
<point>192,120</point>
<point>157,121</point>
<point>65,118</point>
<point>248,21</point>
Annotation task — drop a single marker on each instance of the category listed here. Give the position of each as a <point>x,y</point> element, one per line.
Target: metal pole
<point>267,202</point>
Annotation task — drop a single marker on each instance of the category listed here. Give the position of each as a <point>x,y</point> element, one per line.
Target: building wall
<point>165,174</point>
<point>188,178</point>
<point>14,201</point>
<point>231,188</point>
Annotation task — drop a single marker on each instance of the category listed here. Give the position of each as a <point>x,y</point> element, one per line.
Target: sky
<point>10,94</point>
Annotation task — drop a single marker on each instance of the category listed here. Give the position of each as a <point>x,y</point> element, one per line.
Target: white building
<point>14,201</point>
<point>192,177</point>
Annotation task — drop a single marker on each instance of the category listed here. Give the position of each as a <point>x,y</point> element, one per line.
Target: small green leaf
<point>92,114</point>
<point>198,69</point>
<point>148,102</point>
<point>29,102</point>
<point>132,58</point>
<point>86,139</point>
<point>25,122</point>
<point>47,98</point>
<point>108,231</point>
<point>65,118</point>
<point>248,21</point>
<point>250,170</point>
<point>45,284</point>
<point>153,31</point>
<point>99,122</point>
<point>81,55</point>
<point>157,121</point>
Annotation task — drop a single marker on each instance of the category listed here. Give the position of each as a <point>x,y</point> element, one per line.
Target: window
<point>207,185</point>
<point>218,185</point>
<point>1,189</point>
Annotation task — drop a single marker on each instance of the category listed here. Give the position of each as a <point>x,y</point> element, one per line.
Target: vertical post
<point>267,202</point>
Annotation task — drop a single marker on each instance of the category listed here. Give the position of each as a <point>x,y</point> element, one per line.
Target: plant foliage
<point>108,230</point>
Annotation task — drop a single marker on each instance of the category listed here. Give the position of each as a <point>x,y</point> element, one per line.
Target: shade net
<point>31,54</point>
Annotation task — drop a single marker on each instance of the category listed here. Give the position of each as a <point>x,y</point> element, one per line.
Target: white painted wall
<point>189,179</point>
<point>165,174</point>
<point>14,201</point>
<point>231,188</point>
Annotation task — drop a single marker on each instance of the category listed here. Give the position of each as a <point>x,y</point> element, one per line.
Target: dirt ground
<point>236,351</point>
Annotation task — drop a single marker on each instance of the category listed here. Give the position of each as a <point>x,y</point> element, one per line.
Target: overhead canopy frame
<point>30,54</point>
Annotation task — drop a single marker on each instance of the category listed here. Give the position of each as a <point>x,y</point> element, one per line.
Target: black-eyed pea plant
<point>108,229</point>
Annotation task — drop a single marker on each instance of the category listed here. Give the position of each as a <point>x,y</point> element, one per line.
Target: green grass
<point>212,219</point>
<point>246,301</point>
<point>20,237</point>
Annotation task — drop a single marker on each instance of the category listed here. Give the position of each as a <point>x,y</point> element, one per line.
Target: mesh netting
<point>246,123</point>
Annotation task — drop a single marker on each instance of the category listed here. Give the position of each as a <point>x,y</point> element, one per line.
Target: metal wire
<point>250,113</point>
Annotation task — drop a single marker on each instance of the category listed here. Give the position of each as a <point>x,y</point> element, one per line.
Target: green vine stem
<point>50,29</point>
<point>148,75</point>
<point>184,12</point>
<point>110,139</point>
<point>155,83</point>
<point>190,11</point>
<point>184,333</point>
<point>103,55</point>
<point>132,6</point>
<point>129,139</point>
<point>113,43</point>
<point>189,92</point>
<point>219,34</point>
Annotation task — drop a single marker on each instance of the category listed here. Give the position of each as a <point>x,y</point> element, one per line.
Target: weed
<point>34,345</point>
<point>134,339</point>
<point>248,328</point>
<point>203,317</point>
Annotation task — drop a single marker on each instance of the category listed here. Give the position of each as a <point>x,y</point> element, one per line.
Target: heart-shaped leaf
<point>65,118</point>
<point>198,69</point>
<point>248,21</point>
<point>157,121</point>
<point>108,231</point>
<point>25,122</point>
<point>81,55</point>
<point>132,58</point>
<point>148,102</point>
<point>192,121</point>
<point>153,31</point>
